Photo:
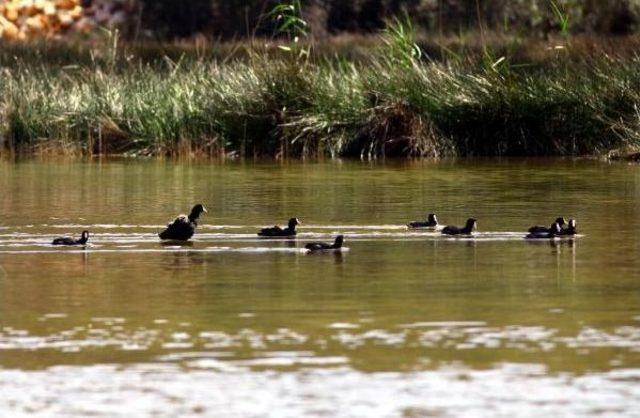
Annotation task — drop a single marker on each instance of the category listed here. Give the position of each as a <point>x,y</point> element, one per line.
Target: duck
<point>70,241</point>
<point>570,230</point>
<point>183,227</point>
<point>547,233</point>
<point>276,231</point>
<point>468,229</point>
<point>431,222</point>
<point>323,246</point>
<point>541,229</point>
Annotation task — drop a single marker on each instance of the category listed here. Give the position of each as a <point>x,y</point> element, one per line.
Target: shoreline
<point>395,105</point>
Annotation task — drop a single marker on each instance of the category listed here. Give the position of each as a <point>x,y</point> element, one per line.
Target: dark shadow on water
<point>565,243</point>
<point>337,256</point>
<point>184,260</point>
<point>557,246</point>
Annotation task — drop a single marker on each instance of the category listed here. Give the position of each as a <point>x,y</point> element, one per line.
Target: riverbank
<point>564,97</point>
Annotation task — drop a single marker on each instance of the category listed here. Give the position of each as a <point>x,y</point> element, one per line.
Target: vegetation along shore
<point>393,95</point>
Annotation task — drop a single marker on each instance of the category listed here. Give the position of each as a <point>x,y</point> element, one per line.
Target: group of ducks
<point>557,228</point>
<point>183,228</point>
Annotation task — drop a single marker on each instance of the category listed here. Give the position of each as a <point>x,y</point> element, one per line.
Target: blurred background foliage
<point>241,18</point>
<point>238,19</point>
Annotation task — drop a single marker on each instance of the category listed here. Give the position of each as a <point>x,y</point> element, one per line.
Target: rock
<point>29,19</point>
<point>9,29</point>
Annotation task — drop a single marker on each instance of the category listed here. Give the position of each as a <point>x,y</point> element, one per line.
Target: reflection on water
<point>162,390</point>
<point>116,334</point>
<point>416,323</point>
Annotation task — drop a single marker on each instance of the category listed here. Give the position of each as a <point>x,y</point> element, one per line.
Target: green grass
<point>390,102</point>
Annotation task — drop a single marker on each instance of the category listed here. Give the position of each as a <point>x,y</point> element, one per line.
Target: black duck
<point>431,222</point>
<point>468,229</point>
<point>547,233</point>
<point>542,229</point>
<point>323,246</point>
<point>276,231</point>
<point>70,241</point>
<point>183,227</point>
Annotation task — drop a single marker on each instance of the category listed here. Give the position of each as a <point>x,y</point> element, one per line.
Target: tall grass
<point>398,102</point>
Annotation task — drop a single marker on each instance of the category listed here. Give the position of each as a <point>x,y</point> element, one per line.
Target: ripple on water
<point>115,334</point>
<point>113,238</point>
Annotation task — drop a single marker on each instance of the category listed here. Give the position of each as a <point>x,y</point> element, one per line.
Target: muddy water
<point>399,322</point>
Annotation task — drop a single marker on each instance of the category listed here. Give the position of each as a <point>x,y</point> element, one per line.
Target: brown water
<point>400,323</point>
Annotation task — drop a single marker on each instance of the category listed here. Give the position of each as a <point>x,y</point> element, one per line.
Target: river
<point>400,323</point>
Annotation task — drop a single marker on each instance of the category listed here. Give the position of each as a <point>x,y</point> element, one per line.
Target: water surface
<point>401,323</point>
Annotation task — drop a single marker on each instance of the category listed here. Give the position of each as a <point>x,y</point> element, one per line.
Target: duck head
<point>293,222</point>
<point>431,218</point>
<point>85,237</point>
<point>561,221</point>
<point>339,241</point>
<point>555,228</point>
<point>572,225</point>
<point>471,225</point>
<point>196,212</point>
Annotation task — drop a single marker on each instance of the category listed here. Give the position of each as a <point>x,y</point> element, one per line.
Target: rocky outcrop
<point>31,19</point>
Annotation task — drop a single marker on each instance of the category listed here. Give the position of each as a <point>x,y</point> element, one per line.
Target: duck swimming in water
<point>276,231</point>
<point>183,227</point>
<point>323,246</point>
<point>468,229</point>
<point>570,230</point>
<point>70,241</point>
<point>550,232</point>
<point>541,229</point>
<point>431,222</point>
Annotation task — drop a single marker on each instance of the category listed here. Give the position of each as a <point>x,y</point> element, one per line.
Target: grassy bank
<point>387,101</point>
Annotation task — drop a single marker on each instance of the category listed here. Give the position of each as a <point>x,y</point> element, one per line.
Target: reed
<point>395,101</point>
